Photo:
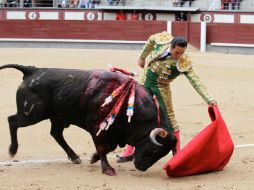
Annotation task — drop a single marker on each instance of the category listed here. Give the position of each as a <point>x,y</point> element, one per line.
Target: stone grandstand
<point>203,5</point>
<point>245,5</point>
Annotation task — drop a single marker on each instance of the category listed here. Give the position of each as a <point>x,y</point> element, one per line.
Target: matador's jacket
<point>159,73</point>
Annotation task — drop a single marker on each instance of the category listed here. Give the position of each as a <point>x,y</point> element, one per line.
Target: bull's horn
<point>157,131</point>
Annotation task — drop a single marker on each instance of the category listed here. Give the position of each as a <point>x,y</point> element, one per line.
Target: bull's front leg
<point>95,158</point>
<point>102,150</point>
<point>106,168</point>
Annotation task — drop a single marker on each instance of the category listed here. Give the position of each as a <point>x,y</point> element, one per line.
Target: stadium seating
<point>247,5</point>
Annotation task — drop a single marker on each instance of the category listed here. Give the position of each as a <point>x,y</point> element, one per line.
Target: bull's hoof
<point>13,150</point>
<point>110,172</point>
<point>77,161</point>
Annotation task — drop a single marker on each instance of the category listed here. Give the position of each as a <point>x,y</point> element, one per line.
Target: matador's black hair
<point>179,41</point>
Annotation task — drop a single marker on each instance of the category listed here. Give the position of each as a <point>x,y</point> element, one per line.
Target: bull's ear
<point>158,132</point>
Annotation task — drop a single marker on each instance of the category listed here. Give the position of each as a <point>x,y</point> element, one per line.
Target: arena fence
<point>124,34</point>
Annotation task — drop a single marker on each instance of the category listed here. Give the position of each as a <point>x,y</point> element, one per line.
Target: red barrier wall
<point>96,30</point>
<point>230,33</point>
<point>191,31</point>
<point>124,30</point>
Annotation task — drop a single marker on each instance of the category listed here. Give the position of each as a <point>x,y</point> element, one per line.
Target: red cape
<point>208,151</point>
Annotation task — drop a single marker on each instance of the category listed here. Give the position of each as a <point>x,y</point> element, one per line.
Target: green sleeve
<point>148,47</point>
<point>198,85</point>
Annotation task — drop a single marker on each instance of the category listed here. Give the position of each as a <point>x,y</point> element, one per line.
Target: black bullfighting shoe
<point>121,159</point>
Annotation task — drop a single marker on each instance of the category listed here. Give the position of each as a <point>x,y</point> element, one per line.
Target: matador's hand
<point>141,62</point>
<point>212,103</point>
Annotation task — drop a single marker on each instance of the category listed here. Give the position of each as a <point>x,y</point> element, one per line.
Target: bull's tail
<point>26,70</point>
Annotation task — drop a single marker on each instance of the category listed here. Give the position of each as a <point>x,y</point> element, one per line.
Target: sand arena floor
<point>42,164</point>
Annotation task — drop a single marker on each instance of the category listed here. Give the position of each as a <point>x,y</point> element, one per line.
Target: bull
<point>69,96</point>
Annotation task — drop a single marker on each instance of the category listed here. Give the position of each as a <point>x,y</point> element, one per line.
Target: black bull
<point>67,96</point>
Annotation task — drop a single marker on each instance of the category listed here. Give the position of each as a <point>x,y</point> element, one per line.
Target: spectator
<point>176,3</point>
<point>116,2</point>
<point>92,4</point>
<point>235,4</point>
<point>183,1</point>
<point>121,15</point>
<point>122,2</point>
<point>134,15</point>
<point>12,3</point>
<point>110,2</point>
<point>225,4</point>
<point>95,3</point>
<point>74,3</point>
<point>62,4</point>
<point>4,3</point>
<point>27,3</point>
<point>181,17</point>
<point>84,4</point>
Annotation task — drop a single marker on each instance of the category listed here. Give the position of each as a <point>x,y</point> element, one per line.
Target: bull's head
<point>154,148</point>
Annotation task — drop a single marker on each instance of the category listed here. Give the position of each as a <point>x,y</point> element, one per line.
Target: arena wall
<point>223,28</point>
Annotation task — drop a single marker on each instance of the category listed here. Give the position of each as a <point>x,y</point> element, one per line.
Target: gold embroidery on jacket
<point>155,46</point>
<point>184,63</point>
<point>163,38</point>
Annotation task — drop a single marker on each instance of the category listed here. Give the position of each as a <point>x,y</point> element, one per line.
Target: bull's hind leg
<point>57,128</point>
<point>13,132</point>
<point>15,122</point>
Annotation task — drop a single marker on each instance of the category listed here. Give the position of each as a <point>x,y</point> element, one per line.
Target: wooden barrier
<point>96,30</point>
<point>124,30</point>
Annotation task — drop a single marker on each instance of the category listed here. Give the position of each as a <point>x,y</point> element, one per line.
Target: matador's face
<point>177,52</point>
